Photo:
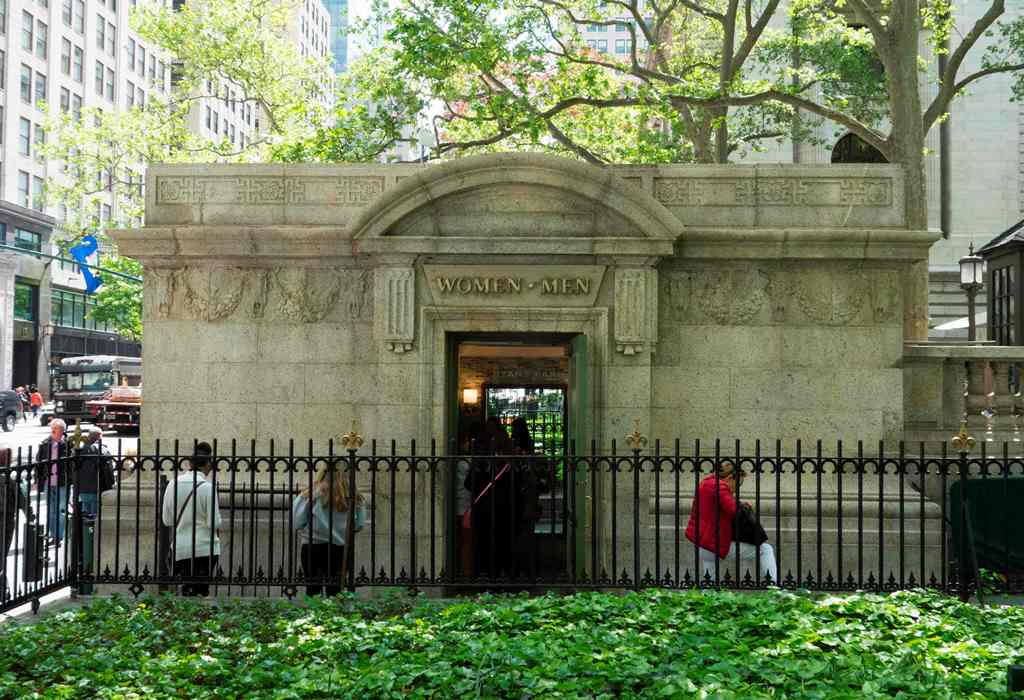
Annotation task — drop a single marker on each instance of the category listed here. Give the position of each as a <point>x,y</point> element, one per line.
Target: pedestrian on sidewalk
<point>13,497</point>
<point>321,515</point>
<point>26,404</point>
<point>36,399</point>
<point>95,473</point>
<point>195,522</point>
<point>53,472</point>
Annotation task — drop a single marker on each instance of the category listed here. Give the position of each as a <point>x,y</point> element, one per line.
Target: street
<point>25,437</point>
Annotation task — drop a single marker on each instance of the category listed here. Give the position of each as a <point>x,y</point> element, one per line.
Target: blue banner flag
<point>86,247</point>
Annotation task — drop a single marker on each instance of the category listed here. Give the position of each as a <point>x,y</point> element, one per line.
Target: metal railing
<point>836,519</point>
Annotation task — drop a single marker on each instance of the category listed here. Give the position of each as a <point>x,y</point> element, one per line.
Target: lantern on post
<point>972,271</point>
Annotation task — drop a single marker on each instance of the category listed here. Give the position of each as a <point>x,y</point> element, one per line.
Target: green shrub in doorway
<point>655,644</point>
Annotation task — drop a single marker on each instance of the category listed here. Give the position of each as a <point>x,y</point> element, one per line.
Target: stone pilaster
<point>8,268</point>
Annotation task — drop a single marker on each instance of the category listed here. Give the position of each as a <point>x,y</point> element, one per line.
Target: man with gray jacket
<point>191,508</point>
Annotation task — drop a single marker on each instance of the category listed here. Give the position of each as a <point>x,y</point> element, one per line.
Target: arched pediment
<point>516,196</point>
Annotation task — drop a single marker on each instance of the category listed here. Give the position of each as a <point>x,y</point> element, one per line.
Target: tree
<point>712,76</point>
<point>119,301</point>
<point>234,53</point>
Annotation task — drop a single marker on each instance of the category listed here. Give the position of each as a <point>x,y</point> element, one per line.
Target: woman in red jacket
<point>710,528</point>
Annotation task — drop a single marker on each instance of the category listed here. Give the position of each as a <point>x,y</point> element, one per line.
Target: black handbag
<point>747,528</point>
<point>33,549</point>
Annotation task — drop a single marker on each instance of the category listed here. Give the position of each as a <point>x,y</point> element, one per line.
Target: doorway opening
<point>531,386</point>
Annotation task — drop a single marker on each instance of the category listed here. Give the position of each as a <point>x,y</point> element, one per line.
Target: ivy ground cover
<point>656,644</point>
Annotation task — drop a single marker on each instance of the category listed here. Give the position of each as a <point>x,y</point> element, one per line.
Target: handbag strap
<point>177,521</point>
<point>487,488</point>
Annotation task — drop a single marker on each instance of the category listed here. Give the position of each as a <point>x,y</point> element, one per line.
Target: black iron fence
<point>281,522</point>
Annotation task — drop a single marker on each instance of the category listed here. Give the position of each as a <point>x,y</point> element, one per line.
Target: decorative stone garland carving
<point>306,295</point>
<point>213,295</point>
<point>827,296</point>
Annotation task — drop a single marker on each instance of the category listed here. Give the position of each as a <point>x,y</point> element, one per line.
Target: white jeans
<point>748,557</point>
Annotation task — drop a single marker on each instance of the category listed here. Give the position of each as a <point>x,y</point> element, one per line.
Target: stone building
<point>740,302</point>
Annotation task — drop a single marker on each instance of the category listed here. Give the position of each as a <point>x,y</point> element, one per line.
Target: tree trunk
<point>907,149</point>
<point>907,135</point>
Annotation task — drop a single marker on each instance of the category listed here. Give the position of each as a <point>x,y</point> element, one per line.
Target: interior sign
<point>477,285</point>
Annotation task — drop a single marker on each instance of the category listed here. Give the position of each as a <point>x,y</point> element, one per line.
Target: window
<point>232,133</point>
<point>99,79</point>
<point>24,137</point>
<point>106,213</point>
<point>24,301</point>
<point>42,39</point>
<point>65,57</point>
<point>129,95</point>
<point>597,28</point>
<point>161,80</point>
<point>101,32</point>
<point>80,16</point>
<point>140,97</point>
<point>76,107</point>
<point>3,67</point>
<point>38,201</point>
<point>23,188</point>
<point>110,84</point>
<point>621,27</point>
<point>72,309</point>
<point>216,122</point>
<point>111,40</point>
<point>77,71</point>
<point>152,69</point>
<point>65,100</point>
<point>39,140</point>
<point>602,46</point>
<point>65,13</point>
<point>130,50</point>
<point>141,65</point>
<point>3,16</point>
<point>40,88</point>
<point>26,84</point>
<point>27,240</point>
<point>27,23</point>
<point>209,117</point>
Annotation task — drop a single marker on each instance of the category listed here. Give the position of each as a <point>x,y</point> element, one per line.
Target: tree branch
<point>856,126</point>
<point>948,88</point>
<point>579,150</point>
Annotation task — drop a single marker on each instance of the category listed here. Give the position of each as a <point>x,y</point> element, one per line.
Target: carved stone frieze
<point>340,191</point>
<point>213,294</point>
<point>636,309</point>
<point>774,191</point>
<point>396,292</point>
<point>758,294</point>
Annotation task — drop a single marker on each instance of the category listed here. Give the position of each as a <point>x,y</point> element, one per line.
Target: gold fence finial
<point>962,441</point>
<point>352,440</point>
<point>635,439</point>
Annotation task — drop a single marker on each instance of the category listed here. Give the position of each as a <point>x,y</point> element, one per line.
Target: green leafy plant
<point>655,644</point>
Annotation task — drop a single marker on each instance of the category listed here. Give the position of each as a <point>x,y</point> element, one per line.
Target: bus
<point>81,379</point>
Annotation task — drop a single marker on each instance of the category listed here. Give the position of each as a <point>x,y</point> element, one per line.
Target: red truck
<point>119,409</point>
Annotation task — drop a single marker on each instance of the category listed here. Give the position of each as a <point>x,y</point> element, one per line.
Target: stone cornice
<point>264,245</point>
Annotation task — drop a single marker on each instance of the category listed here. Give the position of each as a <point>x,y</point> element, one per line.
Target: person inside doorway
<point>195,524</point>
<point>492,507</point>
<point>712,532</point>
<point>53,473</point>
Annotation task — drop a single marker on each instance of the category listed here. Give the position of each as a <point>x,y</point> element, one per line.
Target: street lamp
<point>972,268</point>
